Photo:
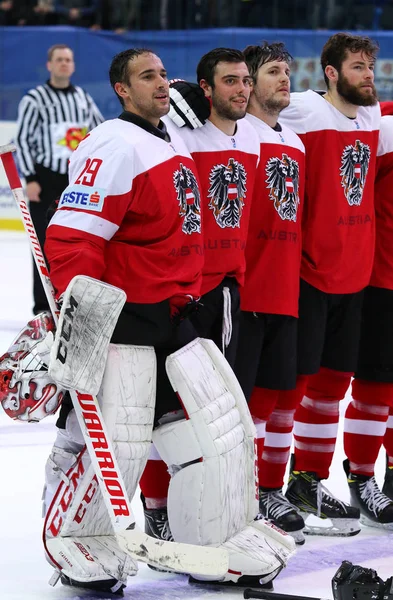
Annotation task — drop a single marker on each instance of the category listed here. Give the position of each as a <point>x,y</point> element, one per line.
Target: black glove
<point>353,582</point>
<point>188,104</point>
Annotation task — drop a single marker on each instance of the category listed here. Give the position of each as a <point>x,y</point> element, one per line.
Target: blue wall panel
<point>23,57</point>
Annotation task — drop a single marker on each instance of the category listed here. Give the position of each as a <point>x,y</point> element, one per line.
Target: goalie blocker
<point>212,500</point>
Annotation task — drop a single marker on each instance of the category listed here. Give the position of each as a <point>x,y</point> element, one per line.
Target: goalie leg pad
<point>88,316</point>
<point>219,451</point>
<point>127,399</point>
<point>68,444</point>
<point>89,559</point>
<point>211,456</point>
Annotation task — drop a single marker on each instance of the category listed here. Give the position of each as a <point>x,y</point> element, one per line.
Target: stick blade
<point>174,556</point>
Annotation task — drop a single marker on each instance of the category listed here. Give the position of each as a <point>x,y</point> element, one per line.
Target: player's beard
<point>225,110</point>
<point>353,93</point>
<point>271,105</point>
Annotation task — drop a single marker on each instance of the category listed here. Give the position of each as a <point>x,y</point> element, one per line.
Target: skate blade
<point>330,527</point>
<point>369,523</point>
<point>244,582</point>
<point>298,536</point>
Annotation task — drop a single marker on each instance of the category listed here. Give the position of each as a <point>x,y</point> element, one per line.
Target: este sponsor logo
<point>81,196</point>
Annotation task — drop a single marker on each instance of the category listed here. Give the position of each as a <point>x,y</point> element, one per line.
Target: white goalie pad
<point>88,316</point>
<point>127,401</point>
<point>216,441</point>
<point>88,559</point>
<point>212,497</point>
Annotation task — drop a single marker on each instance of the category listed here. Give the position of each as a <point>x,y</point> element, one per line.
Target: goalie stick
<point>186,558</point>
<point>249,593</point>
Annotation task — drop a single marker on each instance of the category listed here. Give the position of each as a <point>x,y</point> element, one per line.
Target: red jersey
<point>382,275</point>
<point>130,216</point>
<point>273,250</point>
<point>386,108</point>
<point>226,167</point>
<point>338,217</point>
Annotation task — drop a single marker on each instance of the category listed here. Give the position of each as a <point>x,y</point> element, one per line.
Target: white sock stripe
<point>282,418</point>
<point>314,447</point>
<point>316,430</point>
<point>364,468</point>
<point>278,458</point>
<point>371,409</point>
<point>322,407</point>
<point>389,424</point>
<point>261,429</point>
<point>361,427</point>
<point>278,440</point>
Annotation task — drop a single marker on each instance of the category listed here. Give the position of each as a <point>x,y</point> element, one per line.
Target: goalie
<point>120,224</point>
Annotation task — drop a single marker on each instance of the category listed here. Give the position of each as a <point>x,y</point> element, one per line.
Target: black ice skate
<point>275,507</point>
<point>376,509</point>
<point>157,526</point>
<point>388,483</point>
<point>306,492</point>
<point>105,586</point>
<point>156,522</point>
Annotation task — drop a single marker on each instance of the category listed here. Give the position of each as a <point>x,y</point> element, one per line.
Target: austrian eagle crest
<point>283,183</point>
<point>354,166</point>
<point>227,192</point>
<point>189,199</point>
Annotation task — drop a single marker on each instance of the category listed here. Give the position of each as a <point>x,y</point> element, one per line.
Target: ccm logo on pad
<point>81,196</point>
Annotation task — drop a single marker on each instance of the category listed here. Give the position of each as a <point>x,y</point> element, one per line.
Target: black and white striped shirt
<point>51,123</point>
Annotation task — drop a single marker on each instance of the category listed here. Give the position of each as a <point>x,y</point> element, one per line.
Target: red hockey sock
<point>365,424</point>
<point>154,482</point>
<point>316,421</point>
<point>388,439</point>
<point>261,405</point>
<point>278,437</point>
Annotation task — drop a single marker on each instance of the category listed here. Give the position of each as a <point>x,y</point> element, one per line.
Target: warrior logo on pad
<point>189,199</point>
<point>354,166</point>
<point>227,192</point>
<point>283,183</point>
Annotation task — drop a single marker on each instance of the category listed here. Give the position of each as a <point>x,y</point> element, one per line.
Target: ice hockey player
<point>226,154</point>
<point>266,364</point>
<point>123,221</point>
<point>339,129</point>
<point>367,415</point>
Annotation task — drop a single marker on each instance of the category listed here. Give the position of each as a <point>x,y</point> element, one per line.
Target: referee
<point>52,119</point>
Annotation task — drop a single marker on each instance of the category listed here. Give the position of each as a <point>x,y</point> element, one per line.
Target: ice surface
<point>25,447</point>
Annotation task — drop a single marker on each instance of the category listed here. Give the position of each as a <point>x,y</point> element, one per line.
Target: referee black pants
<point>52,185</point>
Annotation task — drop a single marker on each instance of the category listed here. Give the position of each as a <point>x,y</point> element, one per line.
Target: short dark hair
<point>336,50</point>
<point>207,65</point>
<point>52,49</point>
<point>118,71</point>
<point>256,56</point>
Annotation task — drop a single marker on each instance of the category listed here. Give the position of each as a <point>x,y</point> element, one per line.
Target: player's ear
<point>120,89</point>
<point>206,88</point>
<point>331,73</point>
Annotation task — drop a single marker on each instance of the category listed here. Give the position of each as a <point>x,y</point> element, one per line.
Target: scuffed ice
<point>24,448</point>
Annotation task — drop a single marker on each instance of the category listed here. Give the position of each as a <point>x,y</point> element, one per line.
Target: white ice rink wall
<point>9,217</point>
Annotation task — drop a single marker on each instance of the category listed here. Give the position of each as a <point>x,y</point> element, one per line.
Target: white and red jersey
<point>273,250</point>
<point>130,215</point>
<point>226,168</point>
<point>338,216</point>
<point>382,275</point>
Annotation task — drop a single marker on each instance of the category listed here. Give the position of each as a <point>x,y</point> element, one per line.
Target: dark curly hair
<point>338,46</point>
